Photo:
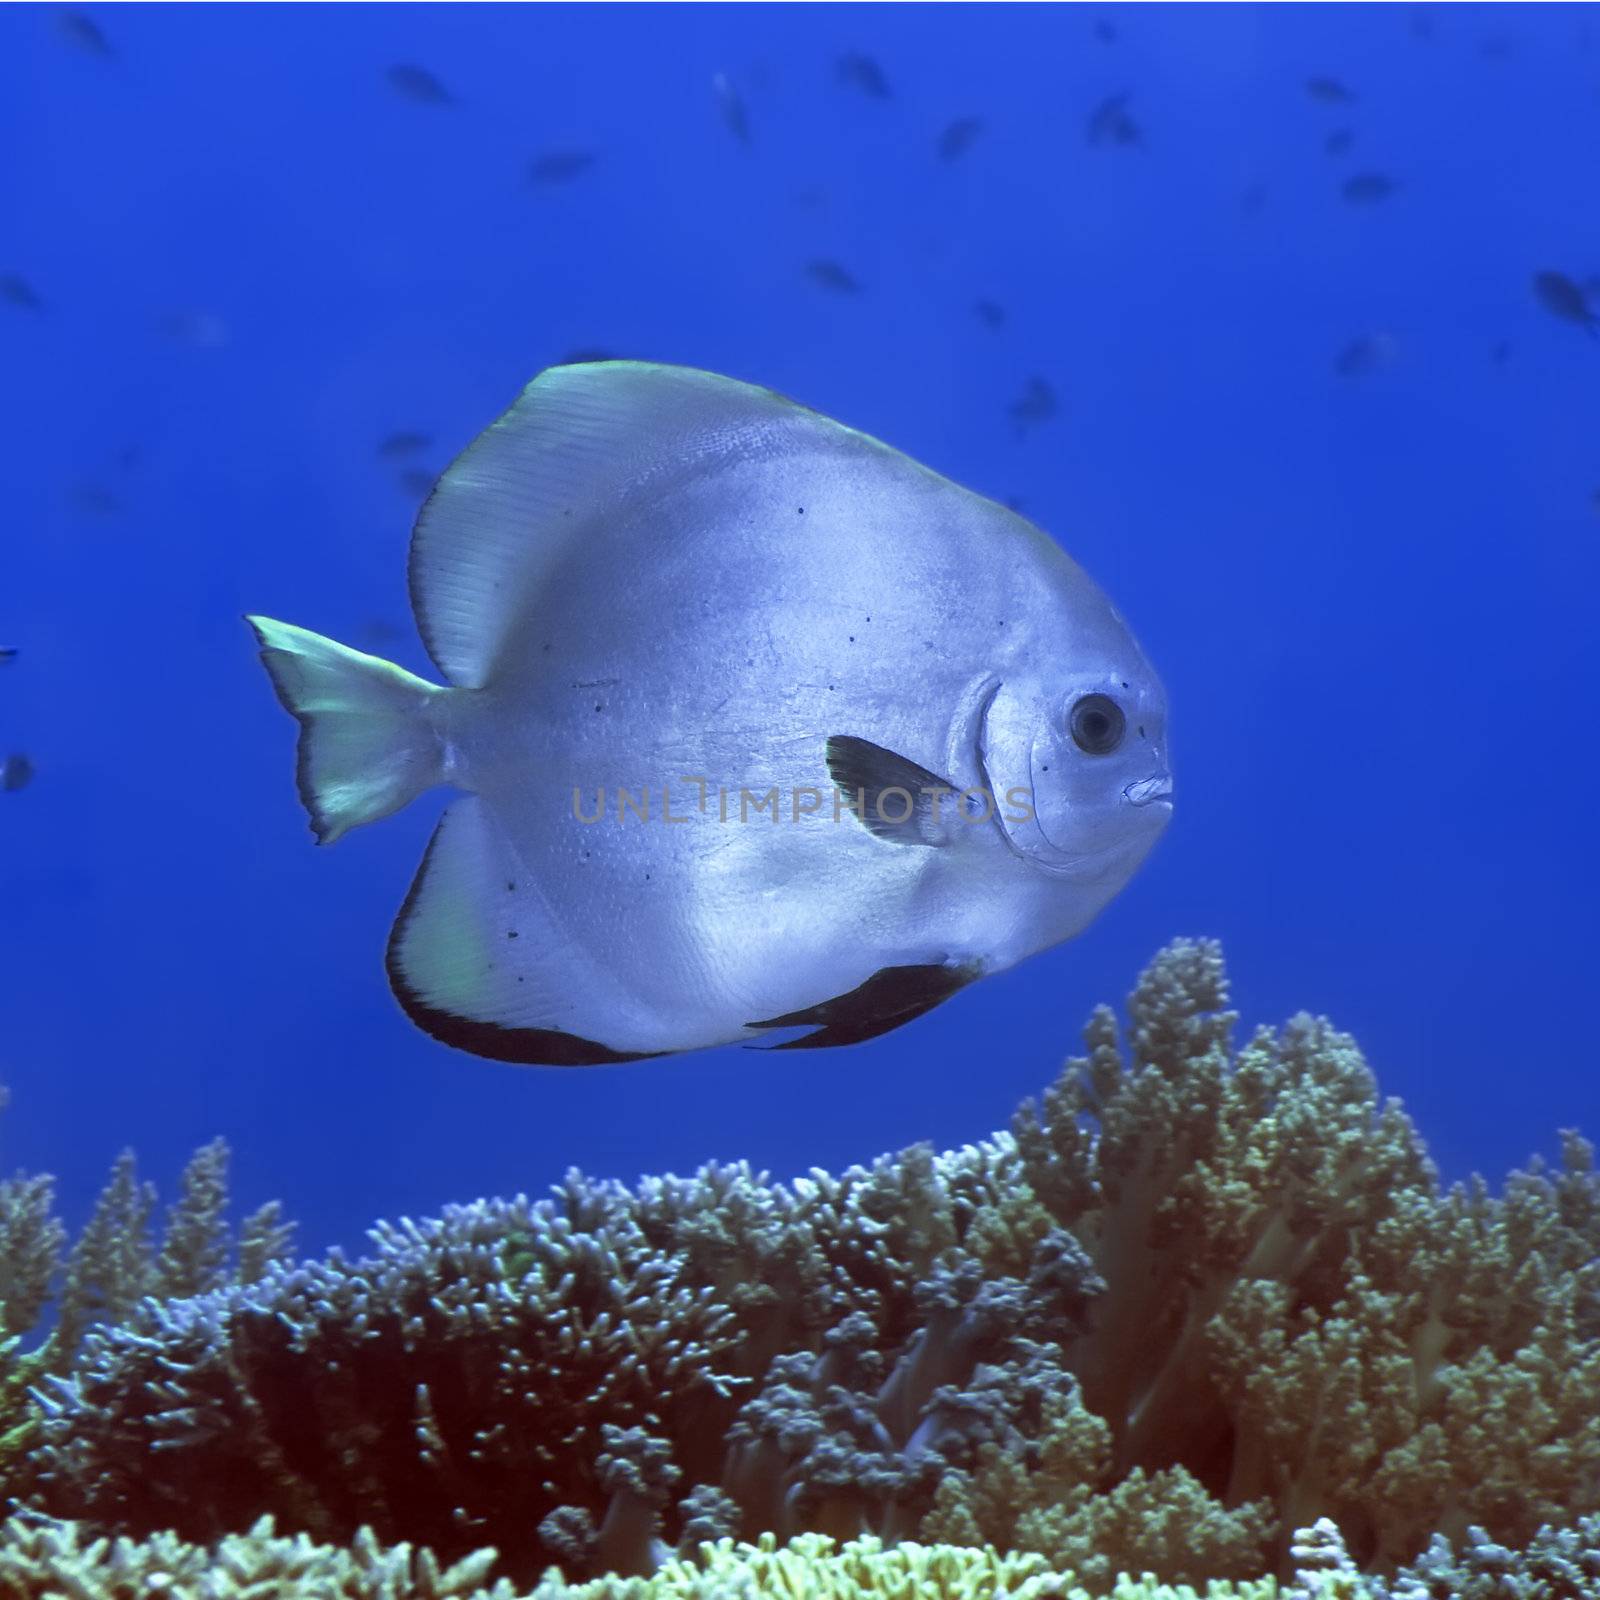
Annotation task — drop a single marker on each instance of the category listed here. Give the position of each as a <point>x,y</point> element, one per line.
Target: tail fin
<point>367,743</point>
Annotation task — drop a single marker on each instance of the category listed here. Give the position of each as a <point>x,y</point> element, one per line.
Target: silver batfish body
<point>761,730</point>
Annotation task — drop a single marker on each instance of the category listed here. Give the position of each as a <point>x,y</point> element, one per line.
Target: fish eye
<point>1097,724</point>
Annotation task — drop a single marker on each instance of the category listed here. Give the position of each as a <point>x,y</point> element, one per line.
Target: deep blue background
<point>1372,597</point>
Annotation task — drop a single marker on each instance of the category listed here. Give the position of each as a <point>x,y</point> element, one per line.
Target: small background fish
<point>560,166</point>
<point>1330,91</point>
<point>406,442</point>
<point>958,137</point>
<point>863,73</point>
<point>830,275</point>
<point>1566,300</point>
<point>1037,403</point>
<point>1367,352</point>
<point>417,83</point>
<point>19,292</point>
<point>735,115</point>
<point>1367,188</point>
<point>81,31</point>
<point>1111,122</point>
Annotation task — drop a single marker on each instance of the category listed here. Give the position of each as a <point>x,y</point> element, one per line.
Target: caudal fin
<point>367,742</point>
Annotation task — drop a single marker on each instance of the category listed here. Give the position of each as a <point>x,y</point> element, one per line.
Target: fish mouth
<point>1149,791</point>
<point>1152,793</point>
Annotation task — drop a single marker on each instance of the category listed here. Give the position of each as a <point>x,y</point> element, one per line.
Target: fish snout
<point>1149,791</point>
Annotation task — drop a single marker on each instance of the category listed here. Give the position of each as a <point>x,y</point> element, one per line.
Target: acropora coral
<point>43,1557</point>
<point>113,1264</point>
<point>1203,1313</point>
<point>60,1558</point>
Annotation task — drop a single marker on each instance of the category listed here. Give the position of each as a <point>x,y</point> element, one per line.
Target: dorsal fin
<point>577,444</point>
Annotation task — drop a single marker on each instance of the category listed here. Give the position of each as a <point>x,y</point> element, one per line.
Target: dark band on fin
<point>890,997</point>
<point>525,1047</point>
<point>899,800</point>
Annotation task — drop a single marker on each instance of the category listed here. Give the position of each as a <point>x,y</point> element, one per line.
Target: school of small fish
<point>500,948</point>
<point>1568,296</point>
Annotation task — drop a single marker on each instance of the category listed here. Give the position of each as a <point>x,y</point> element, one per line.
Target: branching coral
<point>114,1263</point>
<point>1295,1314</point>
<point>1557,1564</point>
<point>39,1556</point>
<point>1186,1173</point>
<point>1058,1496</point>
<point>567,1380</point>
<point>815,1567</point>
<point>30,1248</point>
<point>424,1390</point>
<point>42,1557</point>
<point>1196,1298</point>
<point>112,1266</point>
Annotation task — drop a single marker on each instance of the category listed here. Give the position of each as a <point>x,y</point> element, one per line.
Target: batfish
<point>754,729</point>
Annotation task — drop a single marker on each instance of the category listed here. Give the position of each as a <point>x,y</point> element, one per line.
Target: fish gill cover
<point>1205,1312</point>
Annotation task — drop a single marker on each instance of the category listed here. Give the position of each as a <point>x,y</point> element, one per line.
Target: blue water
<point>1371,595</point>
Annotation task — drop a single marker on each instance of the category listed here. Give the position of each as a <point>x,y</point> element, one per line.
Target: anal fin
<point>475,960</point>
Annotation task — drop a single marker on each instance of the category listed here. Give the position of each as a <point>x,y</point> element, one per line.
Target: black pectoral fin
<point>890,997</point>
<point>892,796</point>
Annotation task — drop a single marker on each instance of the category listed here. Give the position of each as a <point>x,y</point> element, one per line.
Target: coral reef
<point>1557,1564</point>
<point>111,1267</point>
<point>45,1557</point>
<point>1296,1315</point>
<point>584,1378</point>
<point>41,1556</point>
<point>1196,1299</point>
